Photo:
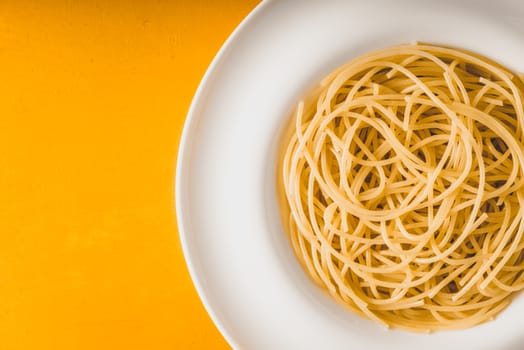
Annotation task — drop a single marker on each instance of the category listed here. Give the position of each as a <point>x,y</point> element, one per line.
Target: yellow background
<point>93,97</point>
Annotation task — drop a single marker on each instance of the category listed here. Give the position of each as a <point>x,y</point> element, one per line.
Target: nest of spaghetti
<point>403,190</point>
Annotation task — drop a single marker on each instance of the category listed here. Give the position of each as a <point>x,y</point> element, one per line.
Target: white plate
<point>238,256</point>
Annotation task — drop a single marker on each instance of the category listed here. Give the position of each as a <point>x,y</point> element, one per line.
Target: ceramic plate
<point>238,255</point>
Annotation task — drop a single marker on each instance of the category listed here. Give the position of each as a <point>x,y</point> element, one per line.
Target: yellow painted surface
<point>93,97</point>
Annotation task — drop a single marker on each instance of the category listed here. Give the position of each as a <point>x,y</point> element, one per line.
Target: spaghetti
<point>403,182</point>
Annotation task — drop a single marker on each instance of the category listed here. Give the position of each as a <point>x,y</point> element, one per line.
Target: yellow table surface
<point>93,98</point>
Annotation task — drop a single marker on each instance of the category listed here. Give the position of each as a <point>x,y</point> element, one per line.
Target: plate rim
<point>183,148</point>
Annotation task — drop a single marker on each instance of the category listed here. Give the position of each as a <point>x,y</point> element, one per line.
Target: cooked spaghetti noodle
<point>403,181</point>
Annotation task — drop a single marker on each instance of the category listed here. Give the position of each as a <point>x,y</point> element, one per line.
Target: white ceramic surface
<point>238,256</point>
